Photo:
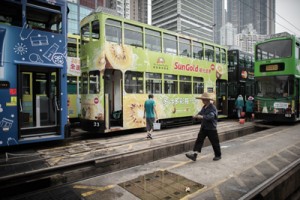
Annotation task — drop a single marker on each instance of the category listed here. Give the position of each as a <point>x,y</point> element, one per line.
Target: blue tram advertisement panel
<point>33,100</point>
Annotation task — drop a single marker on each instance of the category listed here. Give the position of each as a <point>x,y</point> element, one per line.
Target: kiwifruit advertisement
<point>124,58</point>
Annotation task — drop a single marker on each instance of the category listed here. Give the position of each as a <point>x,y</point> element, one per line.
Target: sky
<point>287,13</point>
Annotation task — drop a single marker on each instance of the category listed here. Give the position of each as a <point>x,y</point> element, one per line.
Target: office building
<point>219,19</point>
<point>259,13</point>
<point>190,17</point>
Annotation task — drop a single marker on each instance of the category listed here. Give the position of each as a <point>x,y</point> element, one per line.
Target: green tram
<point>122,61</point>
<point>277,75</point>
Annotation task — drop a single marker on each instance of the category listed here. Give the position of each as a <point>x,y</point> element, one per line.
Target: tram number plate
<point>96,124</point>
<point>288,115</point>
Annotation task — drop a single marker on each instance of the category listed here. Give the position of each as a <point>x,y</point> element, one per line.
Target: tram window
<point>113,31</point>
<point>198,85</point>
<point>248,61</point>
<point>223,56</point>
<point>298,51</point>
<point>218,55</point>
<point>94,82</point>
<point>41,81</point>
<point>134,82</point>
<point>209,53</point>
<point>153,83</point>
<point>26,84</point>
<point>48,19</point>
<point>95,30</point>
<point>153,40</point>
<point>133,35</point>
<point>184,47</point>
<point>72,84</point>
<point>170,84</point>
<point>242,60</point>
<point>85,34</point>
<point>274,49</point>
<point>277,86</point>
<point>197,50</point>
<point>185,84</point>
<point>11,13</point>
<point>72,49</point>
<point>170,44</point>
<point>232,89</point>
<point>84,83</point>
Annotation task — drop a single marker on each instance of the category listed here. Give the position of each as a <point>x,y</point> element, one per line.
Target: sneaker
<point>149,136</point>
<point>192,156</point>
<point>217,158</point>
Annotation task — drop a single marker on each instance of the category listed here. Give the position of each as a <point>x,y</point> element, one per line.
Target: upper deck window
<point>72,48</point>
<point>223,55</point>
<point>218,55</point>
<point>170,44</point>
<point>153,40</point>
<point>133,35</point>
<point>198,50</point>
<point>95,30</point>
<point>11,13</point>
<point>209,53</point>
<point>85,34</point>
<point>184,47</point>
<point>44,16</point>
<point>274,49</point>
<point>113,31</point>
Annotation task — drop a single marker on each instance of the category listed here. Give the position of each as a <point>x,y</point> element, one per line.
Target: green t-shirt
<point>149,107</point>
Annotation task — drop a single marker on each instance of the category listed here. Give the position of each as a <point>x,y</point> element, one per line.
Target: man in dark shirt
<point>209,118</point>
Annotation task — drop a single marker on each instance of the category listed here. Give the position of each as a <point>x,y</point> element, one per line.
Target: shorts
<point>149,123</point>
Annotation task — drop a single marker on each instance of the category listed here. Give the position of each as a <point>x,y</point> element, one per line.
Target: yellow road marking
<point>93,189</point>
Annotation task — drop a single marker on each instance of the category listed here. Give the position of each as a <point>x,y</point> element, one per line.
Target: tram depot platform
<point>132,167</point>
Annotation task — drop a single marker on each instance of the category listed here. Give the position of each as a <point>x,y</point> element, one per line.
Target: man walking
<point>150,114</point>
<point>209,118</point>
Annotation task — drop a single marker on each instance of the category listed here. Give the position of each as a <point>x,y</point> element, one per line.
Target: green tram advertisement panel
<point>277,75</point>
<point>118,73</point>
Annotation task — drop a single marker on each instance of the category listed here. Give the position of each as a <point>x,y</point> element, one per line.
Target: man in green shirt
<point>150,114</point>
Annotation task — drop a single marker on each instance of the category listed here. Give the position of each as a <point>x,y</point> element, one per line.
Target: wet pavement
<point>246,162</point>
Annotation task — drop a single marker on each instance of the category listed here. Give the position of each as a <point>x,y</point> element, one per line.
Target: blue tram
<point>33,74</point>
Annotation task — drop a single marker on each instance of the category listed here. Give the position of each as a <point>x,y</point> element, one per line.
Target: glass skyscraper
<point>190,17</point>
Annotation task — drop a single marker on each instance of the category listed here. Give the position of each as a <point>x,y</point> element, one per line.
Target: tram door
<point>38,101</point>
<point>221,95</point>
<point>113,88</point>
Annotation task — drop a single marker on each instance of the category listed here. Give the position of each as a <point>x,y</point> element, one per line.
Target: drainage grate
<point>161,185</point>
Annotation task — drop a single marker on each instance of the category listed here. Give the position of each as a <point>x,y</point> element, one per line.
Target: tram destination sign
<point>272,67</point>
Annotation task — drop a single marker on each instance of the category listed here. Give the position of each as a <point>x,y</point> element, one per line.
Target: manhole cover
<point>161,185</point>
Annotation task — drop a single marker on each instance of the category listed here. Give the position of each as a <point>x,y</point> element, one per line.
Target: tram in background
<point>73,79</point>
<point>122,61</point>
<point>33,81</point>
<point>240,78</point>
<point>277,76</point>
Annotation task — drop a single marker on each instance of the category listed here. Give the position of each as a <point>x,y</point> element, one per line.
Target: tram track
<point>275,184</point>
<point>109,159</point>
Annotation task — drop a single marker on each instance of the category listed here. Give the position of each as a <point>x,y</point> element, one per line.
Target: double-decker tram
<point>277,75</point>
<point>240,78</point>
<point>73,79</point>
<point>33,81</point>
<point>122,61</point>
